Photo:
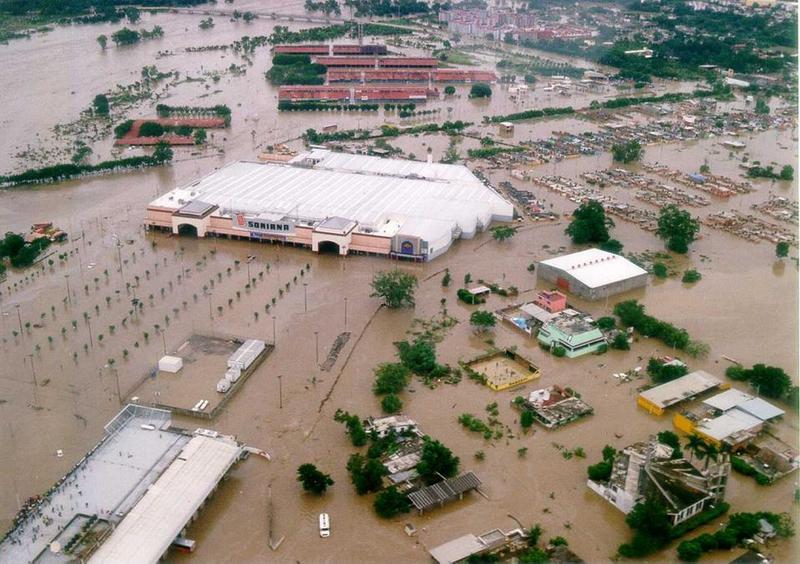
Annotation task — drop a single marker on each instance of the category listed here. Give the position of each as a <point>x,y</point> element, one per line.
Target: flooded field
<point>86,340</point>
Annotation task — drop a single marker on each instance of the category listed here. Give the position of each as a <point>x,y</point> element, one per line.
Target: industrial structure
<point>648,470</point>
<point>331,49</point>
<point>592,274</point>
<point>386,93</point>
<point>410,75</point>
<point>336,202</point>
<point>124,510</point>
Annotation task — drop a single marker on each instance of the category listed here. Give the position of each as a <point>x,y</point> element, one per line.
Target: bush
<point>606,323</point>
<point>689,551</point>
<point>480,90</point>
<point>691,276</point>
<point>600,471</point>
<point>391,502</point>
<point>620,342</point>
<point>312,479</point>
<point>419,357</point>
<point>736,372</point>
<point>449,90</point>
<point>365,473</point>
<point>123,128</point>
<point>390,378</point>
<point>391,404</point>
<point>526,419</point>
<point>151,129</point>
<point>559,351</point>
<point>660,270</point>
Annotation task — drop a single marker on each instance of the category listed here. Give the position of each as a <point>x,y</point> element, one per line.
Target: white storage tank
<point>246,354</point>
<point>170,364</point>
<point>223,386</point>
<point>232,374</point>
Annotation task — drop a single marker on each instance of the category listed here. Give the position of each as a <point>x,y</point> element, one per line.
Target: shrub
<point>526,419</point>
<point>606,323</point>
<point>559,351</point>
<point>691,276</point>
<point>660,270</point>
<point>480,90</point>
<point>690,551</point>
<point>391,502</point>
<point>390,378</point>
<point>620,342</point>
<point>600,471</point>
<point>151,129</point>
<point>391,404</point>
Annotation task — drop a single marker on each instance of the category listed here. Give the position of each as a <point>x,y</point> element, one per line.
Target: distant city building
<point>336,202</point>
<point>646,470</point>
<point>480,22</point>
<point>593,274</point>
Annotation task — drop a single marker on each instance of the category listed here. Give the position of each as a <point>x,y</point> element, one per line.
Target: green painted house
<point>573,331</point>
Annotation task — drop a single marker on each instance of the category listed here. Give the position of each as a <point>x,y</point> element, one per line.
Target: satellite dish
<point>55,547</point>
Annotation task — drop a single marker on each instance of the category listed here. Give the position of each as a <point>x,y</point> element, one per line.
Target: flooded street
<point>60,377</point>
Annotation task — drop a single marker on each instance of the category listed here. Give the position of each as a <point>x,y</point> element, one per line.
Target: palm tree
<point>711,452</point>
<point>694,444</point>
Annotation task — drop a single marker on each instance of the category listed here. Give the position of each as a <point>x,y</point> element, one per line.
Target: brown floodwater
<point>745,307</point>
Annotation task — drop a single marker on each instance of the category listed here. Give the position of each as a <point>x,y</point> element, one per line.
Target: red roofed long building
<point>358,94</point>
<point>377,62</point>
<point>409,75</point>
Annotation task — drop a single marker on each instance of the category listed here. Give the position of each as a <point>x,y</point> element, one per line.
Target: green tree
<point>482,321</point>
<point>390,378</point>
<point>419,356</point>
<point>606,323</point>
<point>480,90</point>
<point>787,173</point>
<point>769,381</point>
<point>391,404</point>
<point>449,90</point>
<point>132,14</point>
<point>151,129</point>
<point>627,152</point>
<point>650,518</point>
<point>620,342</point>
<point>100,104</point>
<point>761,106</point>
<point>102,40</point>
<point>677,228</point>
<point>162,152</point>
<point>355,429</point>
<point>689,551</point>
<point>503,232</point>
<point>660,270</point>
<point>365,473</point>
<point>782,250</point>
<point>612,246</point>
<point>391,502</point>
<point>436,461</point>
<point>589,224</point>
<point>671,439</point>
<point>691,276</point>
<point>446,278</point>
<point>312,479</point>
<point>200,136</point>
<point>396,288</point>
<point>526,419</point>
<point>600,471</point>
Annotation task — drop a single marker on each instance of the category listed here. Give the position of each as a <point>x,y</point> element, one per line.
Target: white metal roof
<point>148,530</point>
<point>681,388</point>
<point>727,399</point>
<point>757,407</point>
<point>457,549</point>
<point>728,424</point>
<point>429,201</point>
<point>754,406</point>
<point>596,268</point>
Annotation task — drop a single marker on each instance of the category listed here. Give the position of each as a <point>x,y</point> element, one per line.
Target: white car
<point>324,525</point>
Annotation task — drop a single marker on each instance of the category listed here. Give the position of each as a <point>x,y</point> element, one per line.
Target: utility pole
<point>69,298</point>
<point>345,313</point>
<point>164,340</point>
<point>91,340</point>
<point>19,319</point>
<point>316,339</point>
<point>35,383</point>
<point>273,331</point>
<point>280,390</point>
<point>305,297</point>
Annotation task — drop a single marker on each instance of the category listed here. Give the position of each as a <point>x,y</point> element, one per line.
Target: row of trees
<point>531,114</point>
<point>740,526</point>
<point>769,381</point>
<point>290,68</point>
<point>56,173</point>
<point>632,314</point>
<point>313,106</point>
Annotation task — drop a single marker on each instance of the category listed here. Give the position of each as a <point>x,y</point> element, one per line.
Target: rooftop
<point>729,423</point>
<point>681,388</point>
<point>733,398</point>
<point>444,491</point>
<point>148,530</point>
<point>596,268</point>
<point>431,201</point>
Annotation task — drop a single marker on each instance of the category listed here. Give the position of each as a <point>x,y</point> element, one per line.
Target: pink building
<point>552,301</point>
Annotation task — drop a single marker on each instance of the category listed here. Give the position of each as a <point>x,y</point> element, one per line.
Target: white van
<point>324,525</point>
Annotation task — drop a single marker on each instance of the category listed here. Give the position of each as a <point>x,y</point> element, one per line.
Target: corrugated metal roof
<point>596,268</point>
<point>681,388</point>
<point>444,491</point>
<point>727,399</point>
<point>148,530</point>
<point>757,407</point>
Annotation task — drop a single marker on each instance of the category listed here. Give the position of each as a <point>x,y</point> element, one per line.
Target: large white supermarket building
<point>336,202</point>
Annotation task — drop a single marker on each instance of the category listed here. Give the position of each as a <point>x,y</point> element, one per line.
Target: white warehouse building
<point>336,202</point>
